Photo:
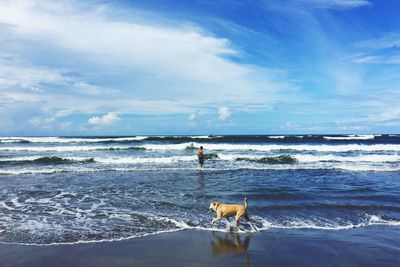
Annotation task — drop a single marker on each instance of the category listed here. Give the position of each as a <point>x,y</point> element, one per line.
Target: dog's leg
<point>238,217</point>
<point>219,217</point>
<point>253,228</point>
<point>228,225</point>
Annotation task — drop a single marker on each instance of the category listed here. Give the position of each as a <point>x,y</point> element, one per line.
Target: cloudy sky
<point>199,67</point>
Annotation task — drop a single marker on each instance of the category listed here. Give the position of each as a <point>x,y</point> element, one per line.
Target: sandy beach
<point>371,246</point>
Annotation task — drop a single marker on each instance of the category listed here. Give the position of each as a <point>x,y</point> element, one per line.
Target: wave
<point>251,147</point>
<point>324,224</point>
<point>276,136</point>
<point>68,148</point>
<point>384,138</point>
<point>181,138</point>
<point>214,147</point>
<point>306,158</point>
<point>45,160</point>
<point>193,167</point>
<point>107,160</point>
<point>283,159</point>
<point>20,220</point>
<point>352,137</point>
<point>280,159</point>
<point>257,224</point>
<point>211,156</point>
<point>143,160</point>
<point>93,241</point>
<point>69,139</point>
<point>334,158</point>
<point>52,139</point>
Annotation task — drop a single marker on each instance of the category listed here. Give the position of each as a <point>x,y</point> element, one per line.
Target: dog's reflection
<point>231,243</point>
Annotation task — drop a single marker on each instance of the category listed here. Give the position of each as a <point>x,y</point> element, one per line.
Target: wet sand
<point>367,246</point>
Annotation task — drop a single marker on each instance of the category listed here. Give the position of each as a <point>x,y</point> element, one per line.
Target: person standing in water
<point>200,155</point>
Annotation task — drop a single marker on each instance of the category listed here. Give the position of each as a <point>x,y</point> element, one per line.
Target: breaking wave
<point>45,160</point>
<point>214,147</point>
<point>162,224</point>
<point>283,159</point>
<point>69,139</point>
<point>352,137</point>
<point>266,148</point>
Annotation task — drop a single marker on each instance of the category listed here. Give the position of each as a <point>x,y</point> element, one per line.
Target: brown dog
<point>228,210</point>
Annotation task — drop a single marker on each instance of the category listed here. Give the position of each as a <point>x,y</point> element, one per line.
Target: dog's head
<point>214,205</point>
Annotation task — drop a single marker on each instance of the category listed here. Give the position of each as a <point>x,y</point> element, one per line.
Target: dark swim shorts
<point>201,160</point>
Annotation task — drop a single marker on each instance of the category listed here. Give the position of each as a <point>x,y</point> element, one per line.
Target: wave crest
<point>282,159</point>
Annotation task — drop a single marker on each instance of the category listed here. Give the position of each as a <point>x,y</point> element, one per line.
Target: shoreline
<point>366,246</point>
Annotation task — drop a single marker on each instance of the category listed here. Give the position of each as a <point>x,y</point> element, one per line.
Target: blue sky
<point>199,67</point>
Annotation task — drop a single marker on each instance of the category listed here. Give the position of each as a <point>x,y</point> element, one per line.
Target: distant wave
<point>211,156</point>
<point>307,158</point>
<point>143,160</point>
<point>68,148</point>
<point>106,160</point>
<point>352,137</point>
<point>276,136</point>
<point>69,139</point>
<point>275,147</point>
<point>45,160</point>
<point>202,138</point>
<point>280,159</point>
<point>100,139</point>
<point>359,158</point>
<point>283,159</point>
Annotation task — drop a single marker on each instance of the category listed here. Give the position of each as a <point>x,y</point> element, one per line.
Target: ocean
<point>57,190</point>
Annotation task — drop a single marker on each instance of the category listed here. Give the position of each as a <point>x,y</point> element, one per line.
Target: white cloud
<point>224,113</point>
<point>90,89</point>
<point>176,57</point>
<point>346,79</point>
<point>377,59</point>
<point>382,50</point>
<point>389,40</point>
<point>192,116</point>
<point>336,3</point>
<point>392,114</point>
<point>107,119</point>
<point>27,77</point>
<point>79,58</point>
<point>66,125</point>
<point>94,34</point>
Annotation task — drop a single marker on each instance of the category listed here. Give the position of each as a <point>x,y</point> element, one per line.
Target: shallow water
<point>61,190</point>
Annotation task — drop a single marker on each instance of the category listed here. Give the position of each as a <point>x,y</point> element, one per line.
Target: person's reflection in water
<point>200,180</point>
<point>231,243</point>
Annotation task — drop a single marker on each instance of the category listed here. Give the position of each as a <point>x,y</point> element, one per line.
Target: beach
<point>372,246</point>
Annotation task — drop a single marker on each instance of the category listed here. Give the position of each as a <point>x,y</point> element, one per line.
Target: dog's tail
<point>245,203</point>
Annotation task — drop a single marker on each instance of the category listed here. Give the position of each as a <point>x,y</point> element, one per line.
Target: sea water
<point>87,189</point>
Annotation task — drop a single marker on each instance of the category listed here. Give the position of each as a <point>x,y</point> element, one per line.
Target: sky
<point>166,67</point>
